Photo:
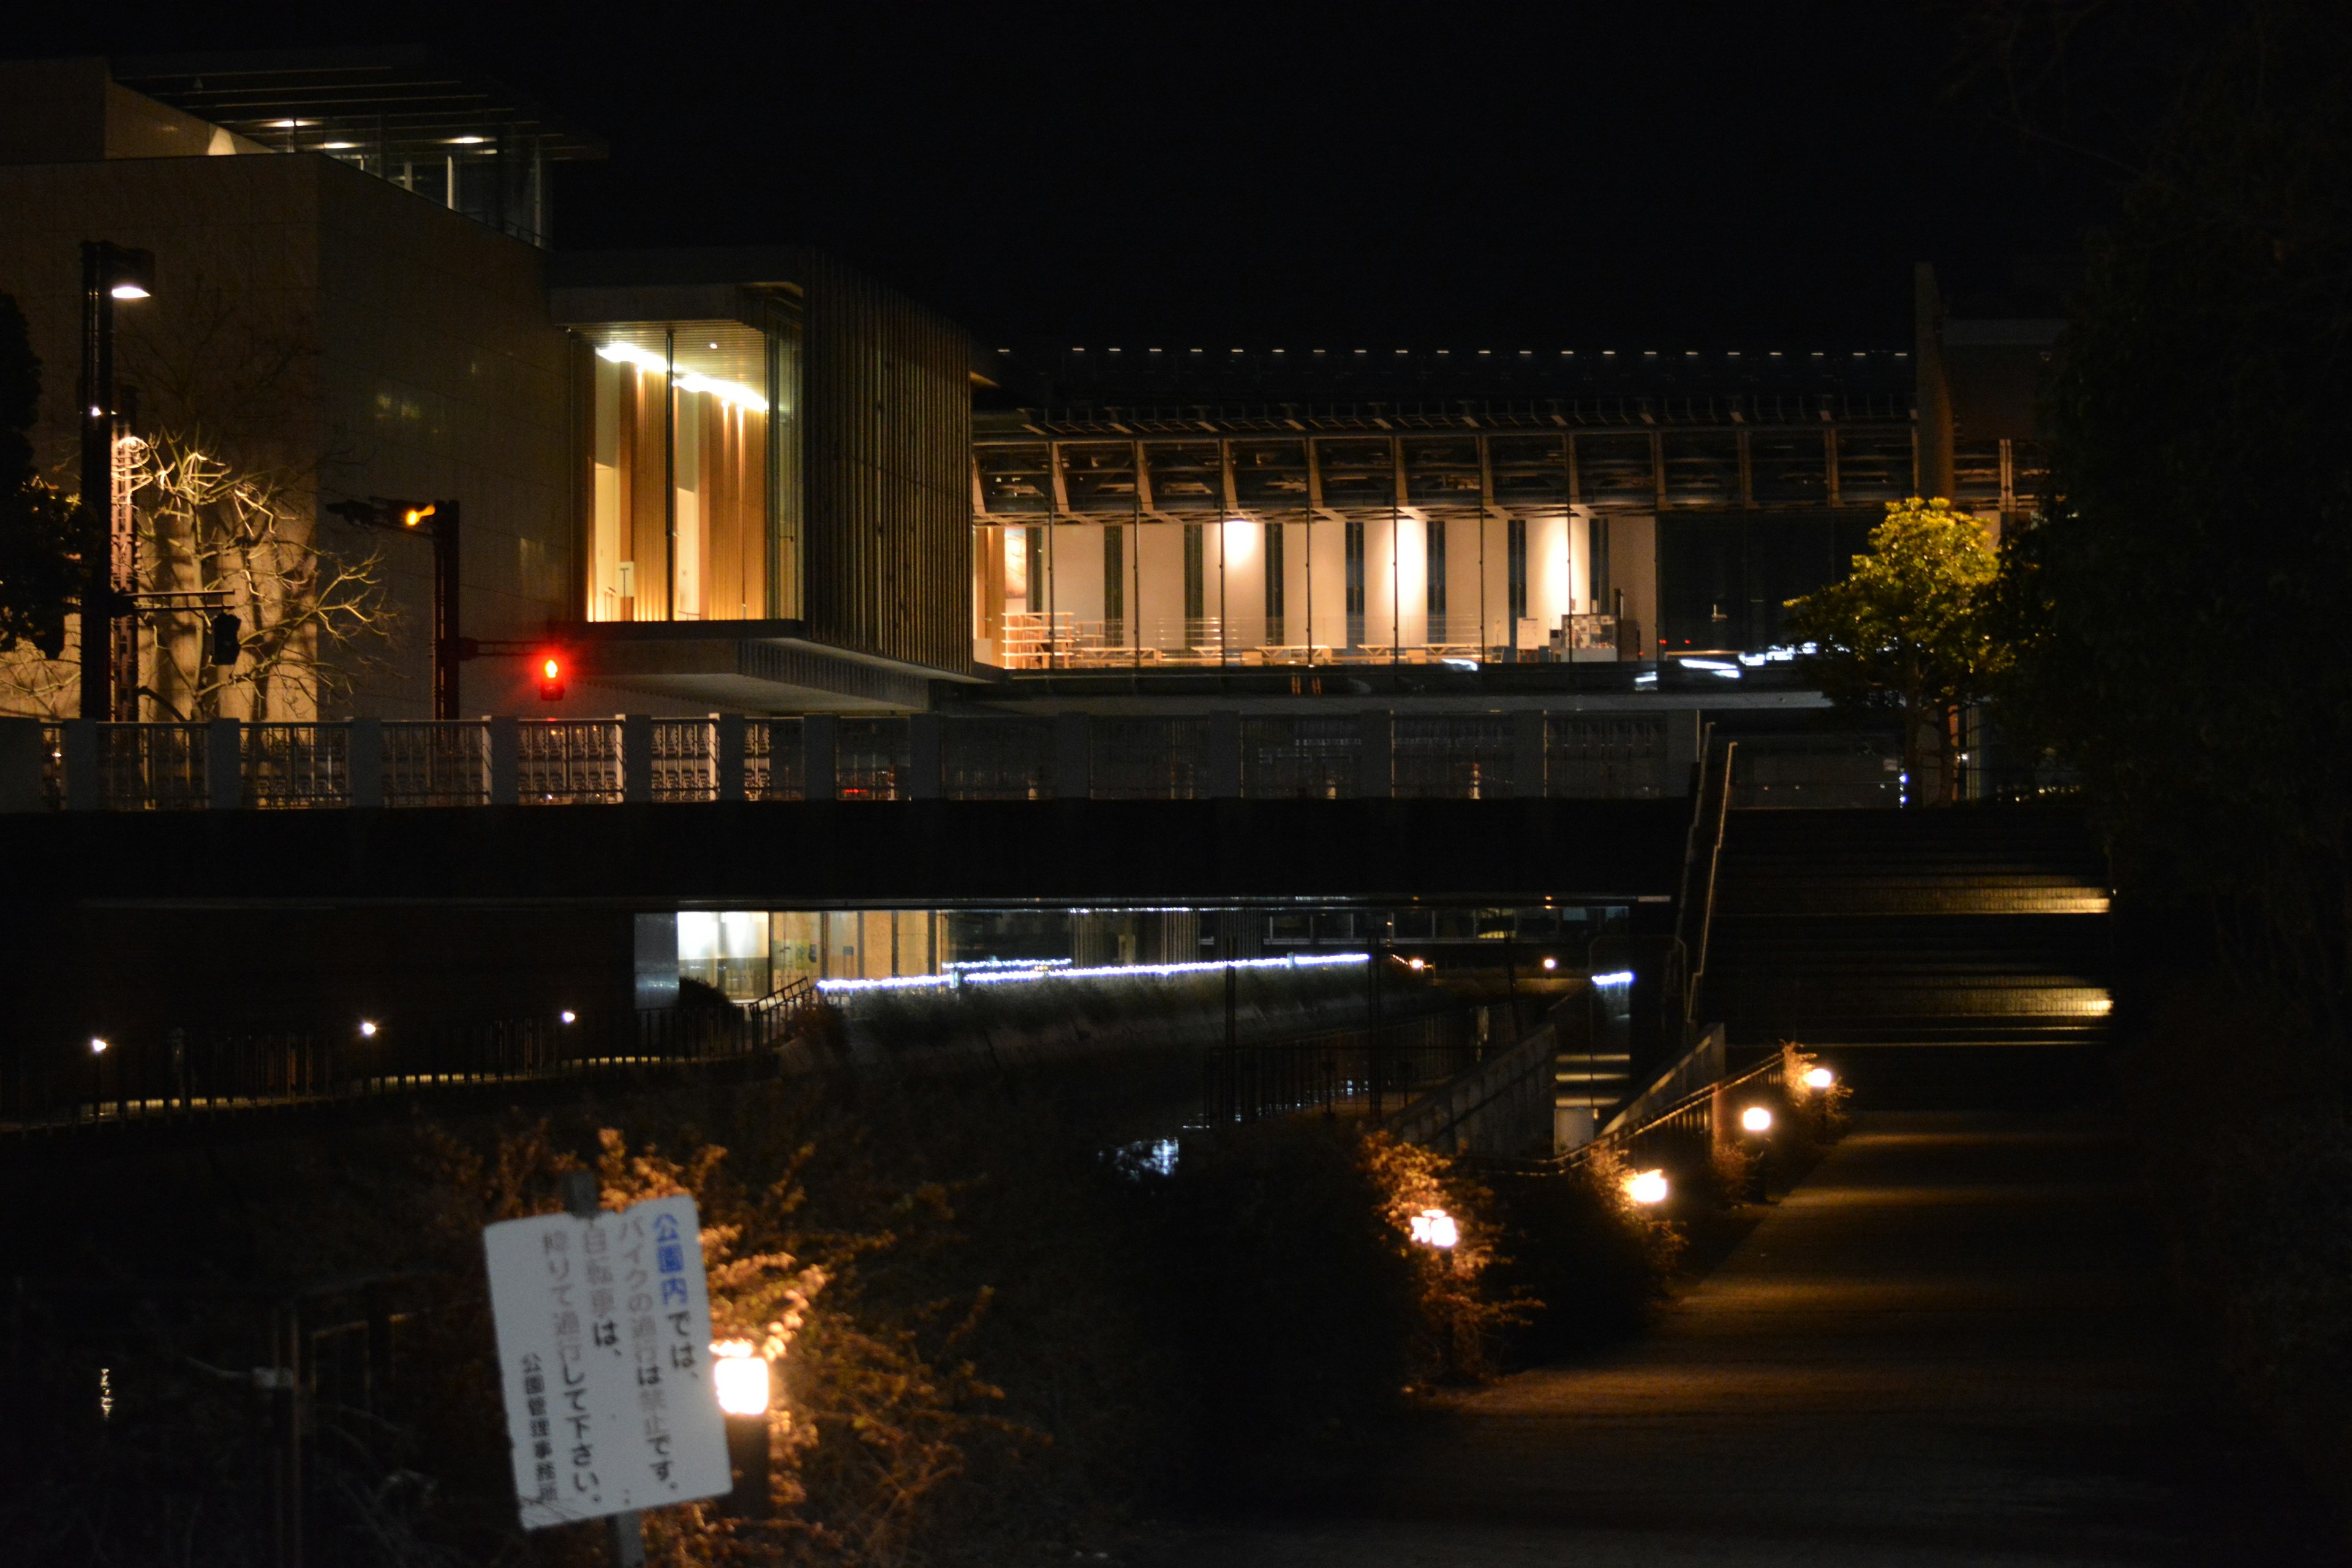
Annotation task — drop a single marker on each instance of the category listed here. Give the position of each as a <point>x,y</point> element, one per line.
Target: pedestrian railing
<point>1367,1070</point>
<point>365,762</point>
<point>182,1074</point>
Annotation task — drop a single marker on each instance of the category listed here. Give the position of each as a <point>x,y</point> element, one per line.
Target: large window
<point>695,509</point>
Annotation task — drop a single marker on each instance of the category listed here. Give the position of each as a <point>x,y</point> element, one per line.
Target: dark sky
<point>1636,175</point>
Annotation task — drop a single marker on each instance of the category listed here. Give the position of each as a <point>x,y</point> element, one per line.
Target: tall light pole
<point>109,272</point>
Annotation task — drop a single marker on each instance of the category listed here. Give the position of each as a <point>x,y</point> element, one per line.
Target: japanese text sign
<point>604,1332</point>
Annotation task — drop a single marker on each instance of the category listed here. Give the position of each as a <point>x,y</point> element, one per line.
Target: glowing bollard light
<point>1435,1227</point>
<point>1819,1078</point>
<point>739,1378</point>
<point>1756,1119</point>
<point>1646,1188</point>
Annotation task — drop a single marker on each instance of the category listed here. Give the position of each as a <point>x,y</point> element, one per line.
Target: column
<point>224,765</point>
<point>363,762</point>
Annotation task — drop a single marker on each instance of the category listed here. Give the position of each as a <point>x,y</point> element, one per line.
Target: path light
<point>569,1016</point>
<point>1435,1227</point>
<point>739,1377</point>
<point>1756,1119</point>
<point>367,1029</point>
<point>97,1046</point>
<point>1819,1078</point>
<point>1646,1188</point>
<point>1551,963</point>
<point>1416,965</point>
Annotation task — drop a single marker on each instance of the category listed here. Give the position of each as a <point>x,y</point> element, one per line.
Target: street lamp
<point>109,658</point>
<point>739,1376</point>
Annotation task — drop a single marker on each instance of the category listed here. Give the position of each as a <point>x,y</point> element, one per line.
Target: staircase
<point>1972,926</point>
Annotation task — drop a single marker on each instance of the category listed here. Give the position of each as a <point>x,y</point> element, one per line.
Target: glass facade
<point>1270,590</point>
<point>694,513</point>
<point>747,953</point>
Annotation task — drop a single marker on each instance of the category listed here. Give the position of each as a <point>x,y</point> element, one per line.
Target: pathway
<point>1948,1346</point>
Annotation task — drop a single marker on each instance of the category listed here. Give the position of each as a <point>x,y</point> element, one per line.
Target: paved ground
<point>1948,1346</point>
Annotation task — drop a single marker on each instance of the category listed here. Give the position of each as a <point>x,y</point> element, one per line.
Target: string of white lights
<point>1005,976</point>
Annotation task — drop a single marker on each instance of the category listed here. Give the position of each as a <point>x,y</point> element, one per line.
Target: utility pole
<point>109,272</point>
<point>437,521</point>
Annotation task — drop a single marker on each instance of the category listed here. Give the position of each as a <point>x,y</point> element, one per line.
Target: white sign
<point>604,1352</point>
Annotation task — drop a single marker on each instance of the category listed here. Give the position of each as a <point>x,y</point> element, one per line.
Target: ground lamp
<point>110,273</point>
<point>1755,1121</point>
<point>1434,1227</point>
<point>740,1377</point>
<point>1646,1188</point>
<point>1819,1078</point>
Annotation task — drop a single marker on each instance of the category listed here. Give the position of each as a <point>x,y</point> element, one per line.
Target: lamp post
<point>109,272</point>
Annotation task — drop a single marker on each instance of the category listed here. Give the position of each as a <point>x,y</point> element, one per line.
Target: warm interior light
<point>467,140</point>
<point>1756,1119</point>
<point>129,292</point>
<point>1434,1227</point>
<point>739,1378</point>
<point>1646,1188</point>
<point>1819,1078</point>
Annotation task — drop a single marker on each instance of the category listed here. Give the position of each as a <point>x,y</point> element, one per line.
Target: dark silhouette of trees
<point>38,560</point>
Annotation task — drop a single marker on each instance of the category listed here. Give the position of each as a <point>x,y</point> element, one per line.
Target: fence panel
<point>686,760</point>
<point>870,759</point>
<point>1147,759</point>
<point>1848,770</point>
<point>436,762</point>
<point>1591,758</point>
<point>1310,758</point>
<point>569,762</point>
<point>297,765</point>
<point>997,758</point>
<point>151,767</point>
<point>1453,757</point>
<point>773,760</point>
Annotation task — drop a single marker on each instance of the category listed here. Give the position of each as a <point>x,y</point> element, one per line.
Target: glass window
<point>694,510</point>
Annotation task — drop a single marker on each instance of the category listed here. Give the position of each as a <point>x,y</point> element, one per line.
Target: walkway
<point>1946,1347</point>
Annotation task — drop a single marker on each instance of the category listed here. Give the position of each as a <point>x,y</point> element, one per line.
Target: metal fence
<point>182,1074</point>
<point>1356,1070</point>
<point>592,762</point>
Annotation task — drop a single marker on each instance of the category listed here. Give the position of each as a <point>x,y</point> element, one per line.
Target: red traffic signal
<point>550,679</point>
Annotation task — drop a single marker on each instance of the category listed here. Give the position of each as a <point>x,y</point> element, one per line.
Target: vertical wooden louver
<point>888,432</point>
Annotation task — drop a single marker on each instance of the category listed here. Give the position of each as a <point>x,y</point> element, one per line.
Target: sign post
<point>604,1331</point>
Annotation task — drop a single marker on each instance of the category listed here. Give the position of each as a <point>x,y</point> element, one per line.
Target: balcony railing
<point>368,763</point>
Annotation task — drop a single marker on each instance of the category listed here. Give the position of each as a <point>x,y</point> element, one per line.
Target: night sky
<point>1668,176</point>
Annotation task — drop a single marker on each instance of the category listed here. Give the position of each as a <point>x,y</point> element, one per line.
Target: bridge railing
<point>80,765</point>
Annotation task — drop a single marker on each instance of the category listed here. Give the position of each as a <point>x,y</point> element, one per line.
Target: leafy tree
<point>1912,624</point>
<point>39,570</point>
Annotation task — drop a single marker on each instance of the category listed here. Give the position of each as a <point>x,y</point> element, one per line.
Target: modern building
<point>708,480</point>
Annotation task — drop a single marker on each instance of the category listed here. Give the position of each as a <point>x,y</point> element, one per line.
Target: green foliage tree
<point>1913,623</point>
<point>39,570</point>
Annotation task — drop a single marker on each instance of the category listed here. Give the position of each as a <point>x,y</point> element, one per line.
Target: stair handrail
<point>1706,906</point>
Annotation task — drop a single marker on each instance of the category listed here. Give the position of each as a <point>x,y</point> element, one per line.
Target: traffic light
<point>227,644</point>
<point>550,679</point>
